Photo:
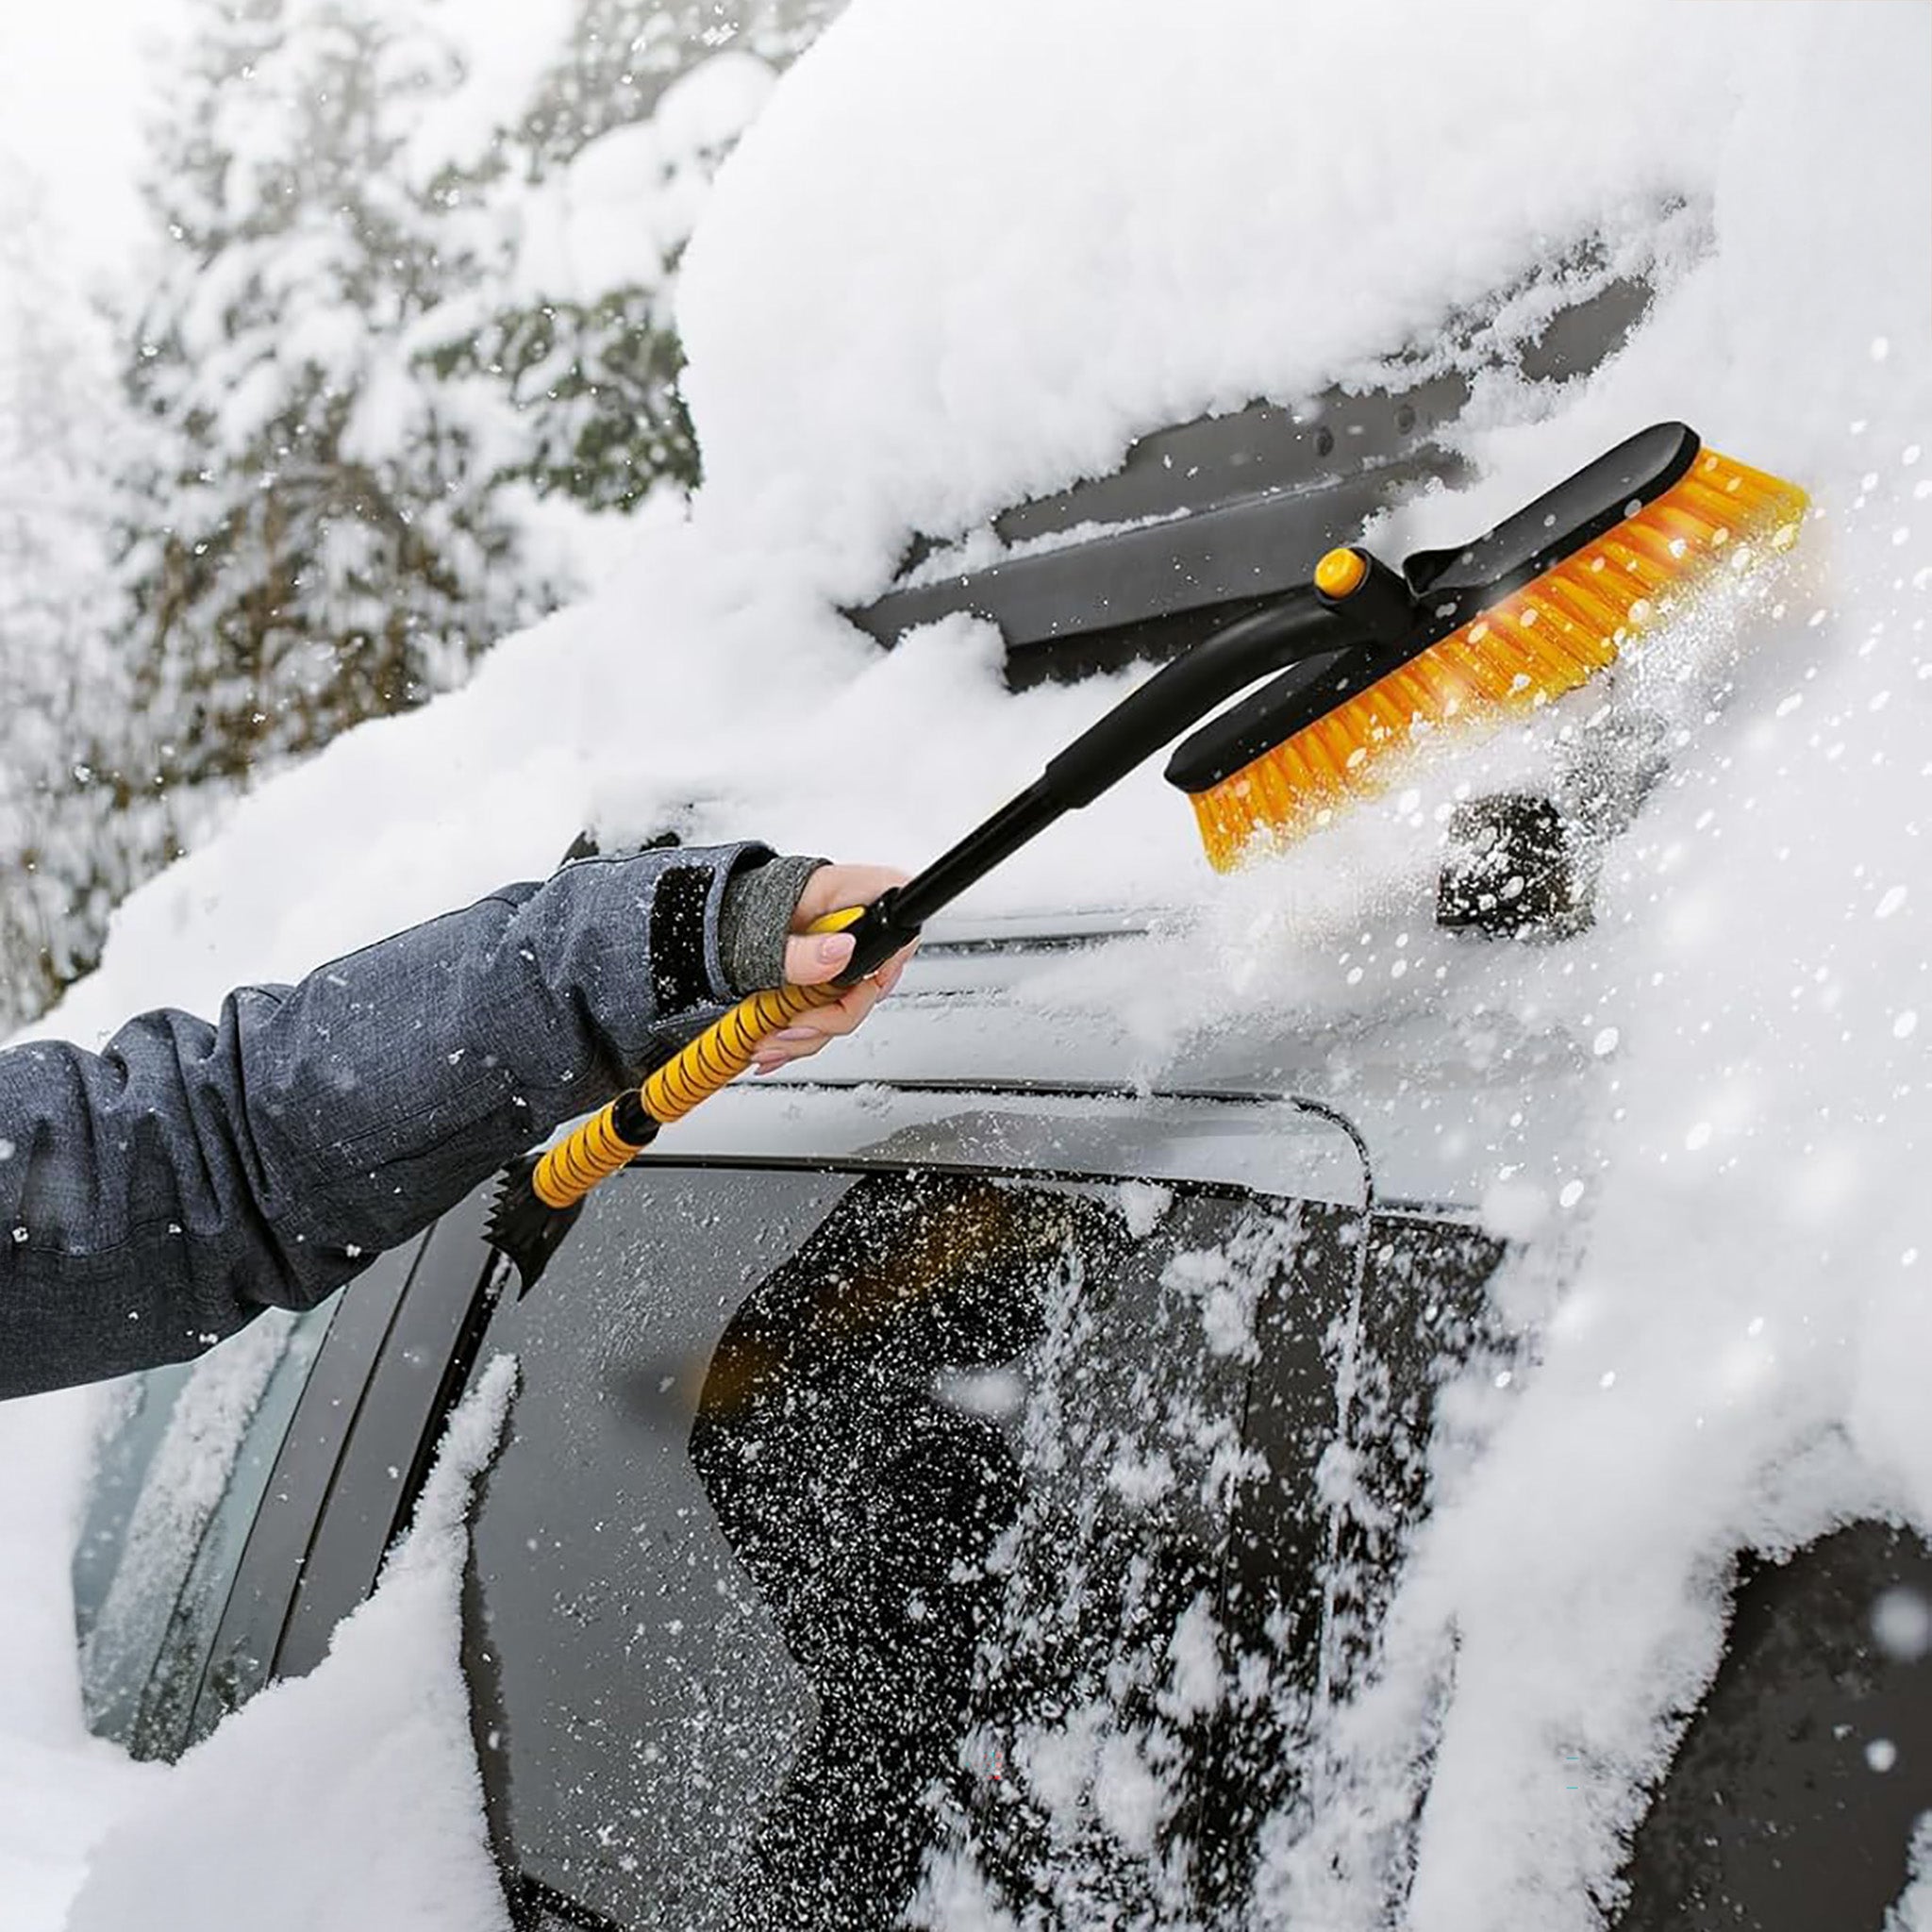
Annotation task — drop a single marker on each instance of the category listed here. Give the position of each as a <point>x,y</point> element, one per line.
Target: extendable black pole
<point>1302,623</point>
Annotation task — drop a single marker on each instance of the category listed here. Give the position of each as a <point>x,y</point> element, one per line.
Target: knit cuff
<point>755,921</point>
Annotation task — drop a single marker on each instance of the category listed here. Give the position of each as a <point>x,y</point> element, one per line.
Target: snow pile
<point>58,1787</point>
<point>349,1798</point>
<point>969,254</point>
<point>1010,240</point>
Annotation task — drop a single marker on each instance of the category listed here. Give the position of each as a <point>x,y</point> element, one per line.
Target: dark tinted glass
<point>131,1430</point>
<point>856,1531</point>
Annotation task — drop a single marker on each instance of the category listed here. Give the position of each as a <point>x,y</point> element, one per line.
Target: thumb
<point>815,957</point>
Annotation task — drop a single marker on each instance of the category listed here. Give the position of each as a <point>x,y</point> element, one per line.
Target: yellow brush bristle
<point>1539,642</point>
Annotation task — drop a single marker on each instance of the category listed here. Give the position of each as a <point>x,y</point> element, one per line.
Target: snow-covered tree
<point>621,55</point>
<point>419,275</point>
<point>59,869</point>
<point>321,542</point>
<point>598,186</point>
<point>413,273</point>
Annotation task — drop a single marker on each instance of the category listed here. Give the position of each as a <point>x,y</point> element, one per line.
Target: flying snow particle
<point>1891,903</point>
<point>1130,1795</point>
<point>1142,1203</point>
<point>1141,1483</point>
<point>1881,1753</point>
<point>1606,1041</point>
<point>993,1393</point>
<point>1195,1655</point>
<point>1905,1025</point>
<point>1902,1622</point>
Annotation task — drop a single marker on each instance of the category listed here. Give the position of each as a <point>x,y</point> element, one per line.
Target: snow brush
<point>1363,659</point>
<point>1464,637</point>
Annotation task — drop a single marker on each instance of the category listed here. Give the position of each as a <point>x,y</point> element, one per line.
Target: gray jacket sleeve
<point>157,1195</point>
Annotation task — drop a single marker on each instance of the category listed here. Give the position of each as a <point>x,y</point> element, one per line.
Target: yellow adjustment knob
<point>1341,572</point>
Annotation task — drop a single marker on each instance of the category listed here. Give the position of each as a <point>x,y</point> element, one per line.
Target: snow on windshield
<point>969,254</point>
<point>1099,1690</point>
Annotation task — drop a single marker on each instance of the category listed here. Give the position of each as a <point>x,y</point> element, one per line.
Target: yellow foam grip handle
<point>726,1048</point>
<point>584,1157</point>
<point>596,1150</point>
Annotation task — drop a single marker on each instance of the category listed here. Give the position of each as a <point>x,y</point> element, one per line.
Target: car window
<point>177,1481</point>
<point>133,1419</point>
<point>852,1525</point>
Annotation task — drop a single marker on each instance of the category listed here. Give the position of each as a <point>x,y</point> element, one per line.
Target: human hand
<point>810,958</point>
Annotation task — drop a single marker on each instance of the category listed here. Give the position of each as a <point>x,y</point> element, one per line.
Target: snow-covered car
<point>936,1488</point>
<point>952,1485</point>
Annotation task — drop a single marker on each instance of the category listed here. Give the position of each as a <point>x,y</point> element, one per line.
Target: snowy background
<point>963,255</point>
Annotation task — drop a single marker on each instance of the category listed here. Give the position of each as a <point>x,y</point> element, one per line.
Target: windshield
<point>865,1536</point>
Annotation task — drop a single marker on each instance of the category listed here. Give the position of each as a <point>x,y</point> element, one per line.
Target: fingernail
<point>834,947</point>
<point>796,1033</point>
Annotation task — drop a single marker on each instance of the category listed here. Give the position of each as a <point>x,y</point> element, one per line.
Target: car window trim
<point>970,1170</point>
<point>1084,1090</point>
<point>342,1370</point>
<point>390,1438</point>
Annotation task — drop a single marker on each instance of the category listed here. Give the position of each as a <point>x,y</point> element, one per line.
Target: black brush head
<point>1448,589</point>
<point>523,1227</point>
